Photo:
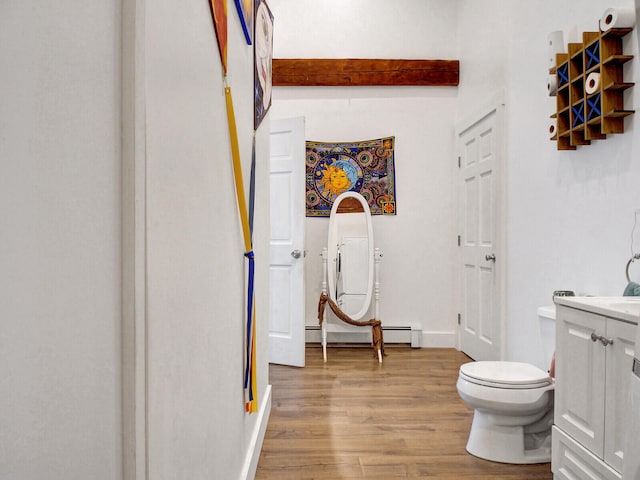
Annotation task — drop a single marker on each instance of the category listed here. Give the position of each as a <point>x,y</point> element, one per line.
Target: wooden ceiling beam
<point>360,72</point>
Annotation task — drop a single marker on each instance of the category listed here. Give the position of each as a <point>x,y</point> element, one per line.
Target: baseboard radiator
<point>410,335</point>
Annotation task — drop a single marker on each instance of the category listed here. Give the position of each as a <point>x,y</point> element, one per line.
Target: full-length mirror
<point>350,255</point>
<point>350,272</point>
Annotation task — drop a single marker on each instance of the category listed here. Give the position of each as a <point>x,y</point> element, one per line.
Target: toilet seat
<point>508,375</point>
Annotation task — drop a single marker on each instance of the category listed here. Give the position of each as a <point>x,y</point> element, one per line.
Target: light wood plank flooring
<point>353,418</point>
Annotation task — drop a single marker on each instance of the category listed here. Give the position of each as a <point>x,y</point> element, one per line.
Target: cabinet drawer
<point>570,460</point>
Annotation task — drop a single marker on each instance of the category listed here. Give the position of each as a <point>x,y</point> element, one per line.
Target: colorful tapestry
<point>364,167</point>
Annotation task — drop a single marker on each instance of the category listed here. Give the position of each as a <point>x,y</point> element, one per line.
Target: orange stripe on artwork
<point>219,14</point>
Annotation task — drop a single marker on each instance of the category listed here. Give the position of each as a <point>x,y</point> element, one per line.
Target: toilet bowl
<point>513,411</point>
<point>513,405</point>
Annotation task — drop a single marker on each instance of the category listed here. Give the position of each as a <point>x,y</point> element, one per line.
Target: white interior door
<point>479,158</point>
<point>286,256</point>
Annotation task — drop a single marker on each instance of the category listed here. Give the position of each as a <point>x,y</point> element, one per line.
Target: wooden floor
<point>352,418</point>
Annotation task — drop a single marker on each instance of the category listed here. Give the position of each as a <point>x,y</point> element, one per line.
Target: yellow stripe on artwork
<point>251,404</point>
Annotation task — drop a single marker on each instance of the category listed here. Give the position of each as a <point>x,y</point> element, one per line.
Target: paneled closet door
<point>480,147</point>
<point>286,245</point>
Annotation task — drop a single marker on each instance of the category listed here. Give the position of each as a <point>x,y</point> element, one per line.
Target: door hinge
<point>459,240</point>
<point>459,318</point>
<point>459,160</point>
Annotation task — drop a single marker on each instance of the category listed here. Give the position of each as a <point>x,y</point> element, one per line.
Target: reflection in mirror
<point>350,248</point>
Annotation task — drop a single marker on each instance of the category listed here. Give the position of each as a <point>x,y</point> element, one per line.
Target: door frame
<point>135,338</point>
<point>496,102</point>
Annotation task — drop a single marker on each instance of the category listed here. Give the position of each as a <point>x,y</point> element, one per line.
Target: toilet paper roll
<point>592,84</point>
<point>552,85</point>
<point>552,129</point>
<point>618,18</point>
<point>554,44</point>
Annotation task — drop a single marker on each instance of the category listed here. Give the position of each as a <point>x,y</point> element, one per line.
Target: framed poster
<point>219,15</point>
<point>245,12</point>
<point>263,54</point>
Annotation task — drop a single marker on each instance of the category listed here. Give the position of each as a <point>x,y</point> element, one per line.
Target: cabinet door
<point>580,376</point>
<point>619,359</point>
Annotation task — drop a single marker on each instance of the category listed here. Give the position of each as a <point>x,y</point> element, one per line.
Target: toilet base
<point>507,443</point>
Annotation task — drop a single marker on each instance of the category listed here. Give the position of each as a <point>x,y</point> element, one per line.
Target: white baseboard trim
<point>439,340</point>
<point>417,338</point>
<point>255,446</point>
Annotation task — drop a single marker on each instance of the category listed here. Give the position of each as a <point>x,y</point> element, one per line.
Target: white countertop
<point>622,308</point>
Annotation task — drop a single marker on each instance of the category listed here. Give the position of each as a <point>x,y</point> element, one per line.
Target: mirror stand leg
<point>324,343</point>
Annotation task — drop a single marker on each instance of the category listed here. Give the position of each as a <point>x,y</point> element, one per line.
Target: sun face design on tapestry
<point>337,177</point>
<point>365,167</point>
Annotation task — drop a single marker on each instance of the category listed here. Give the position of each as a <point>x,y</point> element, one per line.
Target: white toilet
<point>513,404</point>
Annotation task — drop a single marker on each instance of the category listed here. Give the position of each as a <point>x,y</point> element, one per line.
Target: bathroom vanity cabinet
<point>594,354</point>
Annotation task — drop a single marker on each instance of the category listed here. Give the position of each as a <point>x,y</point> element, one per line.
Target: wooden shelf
<point>618,113</point>
<point>594,132</point>
<point>580,116</point>
<point>577,137</point>
<point>617,86</point>
<point>590,38</point>
<point>616,32</point>
<point>617,59</point>
<point>564,143</point>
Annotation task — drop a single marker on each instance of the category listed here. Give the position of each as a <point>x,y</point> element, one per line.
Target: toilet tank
<point>547,321</point>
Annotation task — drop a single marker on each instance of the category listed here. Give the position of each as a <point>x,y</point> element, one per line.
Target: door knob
<point>296,253</point>
<point>491,257</point>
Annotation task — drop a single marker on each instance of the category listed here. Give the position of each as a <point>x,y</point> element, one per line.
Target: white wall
<point>62,210</point>
<point>584,200</point>
<point>364,29</point>
<point>416,272</point>
<point>60,400</point>
<point>570,212</point>
<point>483,41</point>
<point>198,428</point>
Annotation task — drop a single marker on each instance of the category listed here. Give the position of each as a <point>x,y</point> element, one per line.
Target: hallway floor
<point>352,418</point>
